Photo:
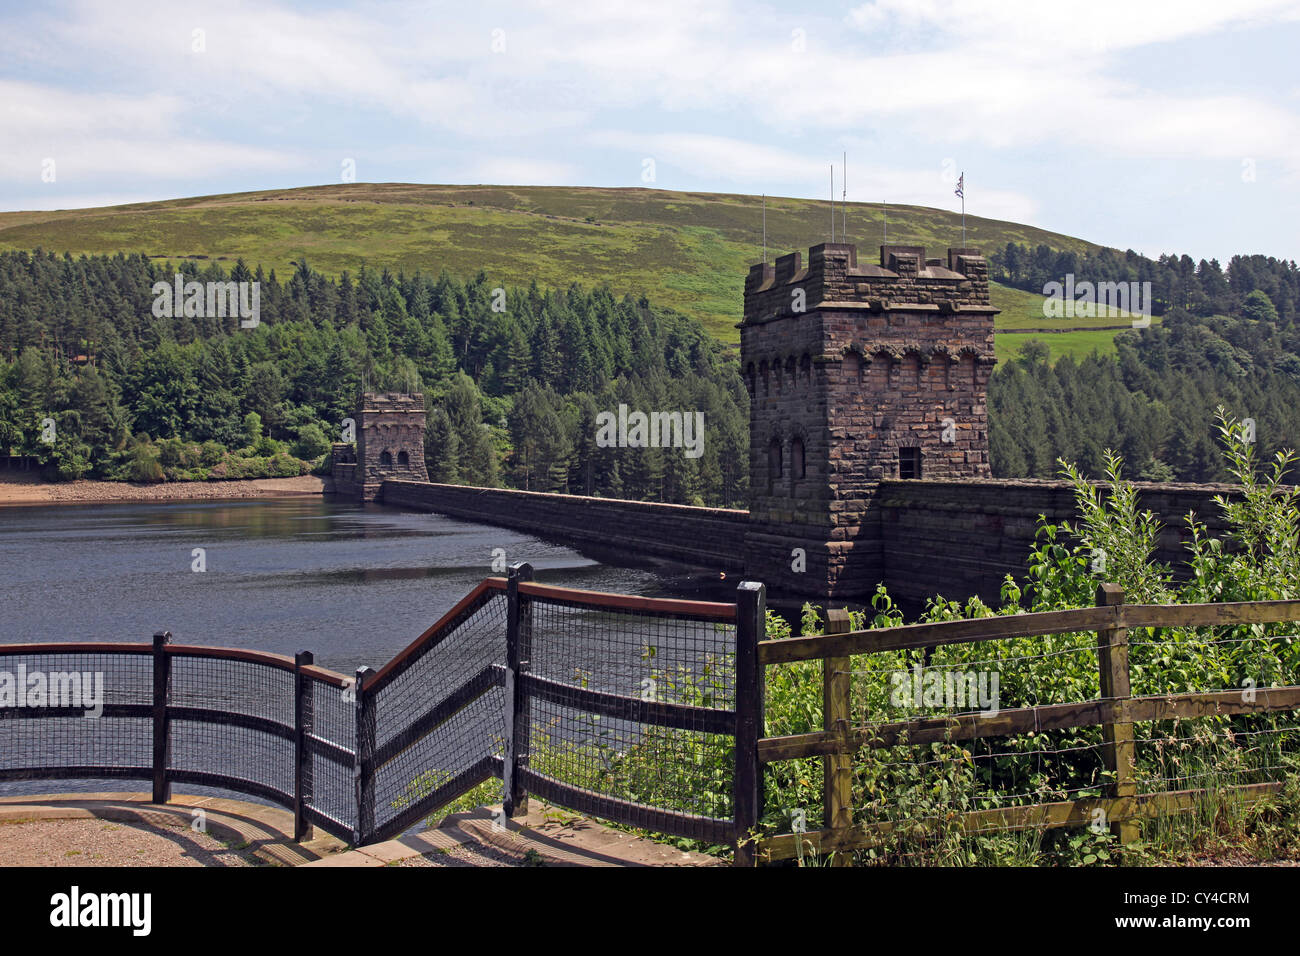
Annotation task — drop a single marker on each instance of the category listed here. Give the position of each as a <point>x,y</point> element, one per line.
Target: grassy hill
<point>689,251</point>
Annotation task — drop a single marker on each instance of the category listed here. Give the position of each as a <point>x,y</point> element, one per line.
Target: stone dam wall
<point>706,537</point>
<point>955,538</point>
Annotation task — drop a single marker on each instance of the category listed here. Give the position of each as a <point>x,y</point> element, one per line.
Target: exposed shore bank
<point>16,490</point>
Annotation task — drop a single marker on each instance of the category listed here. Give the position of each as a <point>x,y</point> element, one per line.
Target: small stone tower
<point>857,374</point>
<point>390,440</point>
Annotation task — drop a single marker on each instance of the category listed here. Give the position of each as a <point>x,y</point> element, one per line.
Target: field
<point>689,251</point>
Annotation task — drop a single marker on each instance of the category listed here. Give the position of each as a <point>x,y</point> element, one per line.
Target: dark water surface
<point>353,584</point>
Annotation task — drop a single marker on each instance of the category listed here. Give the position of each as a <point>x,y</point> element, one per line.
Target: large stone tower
<point>857,374</point>
<point>390,441</point>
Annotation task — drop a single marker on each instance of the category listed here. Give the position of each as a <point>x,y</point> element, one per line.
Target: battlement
<point>380,402</point>
<point>903,280</point>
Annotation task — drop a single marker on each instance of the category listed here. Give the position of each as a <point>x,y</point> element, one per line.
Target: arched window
<point>853,369</point>
<point>386,458</point>
<point>403,459</point>
<point>796,459</point>
<point>773,463</point>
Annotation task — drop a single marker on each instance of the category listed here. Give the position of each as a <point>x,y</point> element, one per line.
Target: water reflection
<point>354,584</point>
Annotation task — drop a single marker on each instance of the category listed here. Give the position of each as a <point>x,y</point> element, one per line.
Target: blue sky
<point>1160,126</point>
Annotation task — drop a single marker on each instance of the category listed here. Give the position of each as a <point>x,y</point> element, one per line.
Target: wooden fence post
<point>1117,733</point>
<point>747,784</point>
<point>363,772</point>
<point>837,769</point>
<point>162,674</point>
<point>519,641</point>
<point>304,709</point>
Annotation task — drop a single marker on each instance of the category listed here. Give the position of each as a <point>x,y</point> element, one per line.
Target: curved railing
<point>547,689</point>
<point>262,724</point>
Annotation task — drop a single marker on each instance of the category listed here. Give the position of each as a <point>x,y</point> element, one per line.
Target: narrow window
<point>909,463</point>
<point>403,459</point>
<point>386,458</point>
<point>796,459</point>
<point>773,463</point>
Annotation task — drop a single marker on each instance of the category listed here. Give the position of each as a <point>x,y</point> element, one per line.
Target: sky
<point>1152,125</point>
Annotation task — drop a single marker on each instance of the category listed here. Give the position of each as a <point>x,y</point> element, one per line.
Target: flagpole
<point>961,192</point>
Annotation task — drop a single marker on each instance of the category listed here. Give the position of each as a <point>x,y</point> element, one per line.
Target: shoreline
<point>23,492</point>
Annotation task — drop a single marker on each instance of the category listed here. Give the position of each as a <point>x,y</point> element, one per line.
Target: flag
<point>961,186</point>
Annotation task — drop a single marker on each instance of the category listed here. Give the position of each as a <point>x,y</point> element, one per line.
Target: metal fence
<point>617,706</point>
<point>272,726</point>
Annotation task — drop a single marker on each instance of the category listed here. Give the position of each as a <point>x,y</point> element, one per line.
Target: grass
<point>1075,344</point>
<point>686,250</point>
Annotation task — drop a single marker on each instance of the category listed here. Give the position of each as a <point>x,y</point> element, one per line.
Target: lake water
<point>353,584</point>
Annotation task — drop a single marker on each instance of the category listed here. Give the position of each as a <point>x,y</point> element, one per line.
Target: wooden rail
<point>1115,712</point>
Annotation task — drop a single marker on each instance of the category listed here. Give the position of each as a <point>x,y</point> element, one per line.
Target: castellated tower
<point>857,374</point>
<point>390,440</point>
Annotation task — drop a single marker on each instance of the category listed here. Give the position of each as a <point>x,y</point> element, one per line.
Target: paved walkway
<point>545,836</point>
<point>265,832</point>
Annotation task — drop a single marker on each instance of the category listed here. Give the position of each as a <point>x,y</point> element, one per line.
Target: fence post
<point>363,771</point>
<point>162,674</point>
<point>837,768</point>
<point>304,710</point>
<point>747,784</point>
<point>519,641</point>
<point>1117,733</point>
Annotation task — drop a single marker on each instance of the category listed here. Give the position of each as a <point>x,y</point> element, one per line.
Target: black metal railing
<point>617,706</point>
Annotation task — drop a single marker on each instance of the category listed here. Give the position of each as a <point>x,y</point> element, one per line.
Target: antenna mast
<point>764,228</point>
<point>844,196</point>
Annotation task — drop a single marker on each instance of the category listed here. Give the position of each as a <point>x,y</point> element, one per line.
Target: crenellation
<point>899,355</point>
<point>389,444</point>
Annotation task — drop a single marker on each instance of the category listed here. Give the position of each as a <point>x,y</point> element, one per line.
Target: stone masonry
<point>852,371</point>
<point>390,444</point>
<point>857,374</point>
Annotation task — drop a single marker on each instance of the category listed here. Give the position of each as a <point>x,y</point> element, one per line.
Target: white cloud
<point>98,134</point>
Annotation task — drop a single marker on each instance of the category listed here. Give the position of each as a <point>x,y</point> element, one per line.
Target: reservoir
<point>353,584</point>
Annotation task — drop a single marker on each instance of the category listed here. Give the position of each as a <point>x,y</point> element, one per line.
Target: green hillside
<point>687,251</point>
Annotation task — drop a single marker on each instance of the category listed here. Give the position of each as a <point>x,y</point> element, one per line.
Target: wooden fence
<point>1115,711</point>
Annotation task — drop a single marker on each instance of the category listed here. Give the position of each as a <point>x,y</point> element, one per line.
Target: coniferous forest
<point>514,377</point>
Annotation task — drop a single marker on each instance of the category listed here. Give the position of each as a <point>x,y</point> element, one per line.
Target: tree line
<point>515,378</point>
<point>1201,288</point>
<point>511,376</point>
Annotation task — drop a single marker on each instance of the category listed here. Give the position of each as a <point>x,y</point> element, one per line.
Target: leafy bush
<point>923,790</point>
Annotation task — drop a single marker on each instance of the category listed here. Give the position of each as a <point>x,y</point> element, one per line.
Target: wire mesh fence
<point>48,731</point>
<point>438,714</point>
<point>173,714</point>
<point>634,707</point>
<point>619,706</point>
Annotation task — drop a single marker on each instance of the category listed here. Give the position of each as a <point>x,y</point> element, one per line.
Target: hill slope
<point>689,251</point>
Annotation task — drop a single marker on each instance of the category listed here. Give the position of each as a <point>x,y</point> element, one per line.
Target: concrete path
<point>266,831</point>
<point>545,836</point>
